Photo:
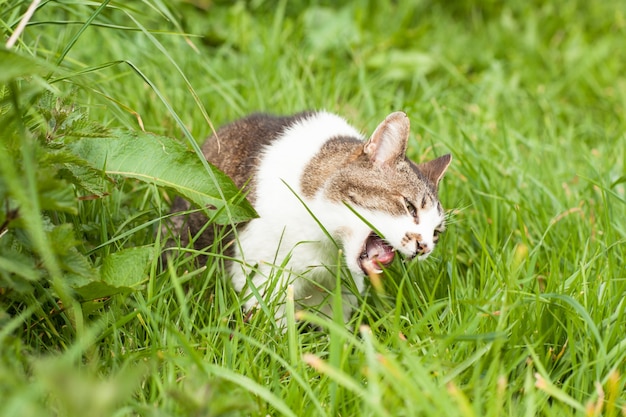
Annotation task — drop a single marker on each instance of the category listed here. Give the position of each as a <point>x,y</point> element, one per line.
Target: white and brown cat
<point>326,196</point>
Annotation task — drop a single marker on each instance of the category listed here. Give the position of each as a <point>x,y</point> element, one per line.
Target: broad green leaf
<point>98,289</point>
<point>17,270</point>
<point>167,163</point>
<point>126,268</point>
<point>78,172</point>
<point>121,273</point>
<point>87,180</point>
<point>77,268</point>
<point>18,264</point>
<point>96,294</point>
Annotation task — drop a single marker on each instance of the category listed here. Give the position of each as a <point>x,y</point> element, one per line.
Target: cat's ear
<point>434,170</point>
<point>388,142</point>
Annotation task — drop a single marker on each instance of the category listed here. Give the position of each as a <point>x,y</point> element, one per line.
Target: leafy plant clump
<point>55,159</point>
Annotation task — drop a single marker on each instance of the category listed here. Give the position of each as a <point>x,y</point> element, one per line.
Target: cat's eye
<point>410,208</point>
<point>439,230</point>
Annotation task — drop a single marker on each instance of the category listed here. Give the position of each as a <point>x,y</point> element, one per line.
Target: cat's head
<point>395,199</point>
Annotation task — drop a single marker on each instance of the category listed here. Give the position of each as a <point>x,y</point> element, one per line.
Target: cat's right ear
<point>434,170</point>
<point>388,142</point>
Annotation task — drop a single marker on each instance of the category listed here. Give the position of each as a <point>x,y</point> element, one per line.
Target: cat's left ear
<point>434,170</point>
<point>388,142</point>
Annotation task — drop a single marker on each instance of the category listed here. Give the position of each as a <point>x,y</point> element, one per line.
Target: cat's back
<point>237,146</point>
<point>280,145</point>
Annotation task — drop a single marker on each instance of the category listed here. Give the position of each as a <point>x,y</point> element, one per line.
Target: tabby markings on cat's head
<point>388,191</point>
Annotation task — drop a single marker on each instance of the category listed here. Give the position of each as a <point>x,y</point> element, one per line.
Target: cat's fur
<point>312,175</point>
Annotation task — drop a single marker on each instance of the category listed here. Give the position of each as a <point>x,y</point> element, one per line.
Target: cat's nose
<point>422,248</point>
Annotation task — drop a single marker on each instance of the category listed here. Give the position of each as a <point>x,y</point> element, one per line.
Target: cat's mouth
<point>376,253</point>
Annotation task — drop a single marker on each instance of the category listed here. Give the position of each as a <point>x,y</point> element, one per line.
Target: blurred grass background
<point>520,311</point>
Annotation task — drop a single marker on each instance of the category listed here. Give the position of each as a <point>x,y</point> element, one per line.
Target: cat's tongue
<point>376,253</point>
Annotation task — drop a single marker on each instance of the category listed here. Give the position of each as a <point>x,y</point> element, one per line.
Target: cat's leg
<point>268,282</point>
<point>243,278</point>
<point>314,297</point>
<point>273,289</point>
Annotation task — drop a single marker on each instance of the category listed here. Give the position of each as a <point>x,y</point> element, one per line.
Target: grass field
<point>520,311</point>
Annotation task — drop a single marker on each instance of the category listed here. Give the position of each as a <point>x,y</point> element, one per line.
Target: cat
<point>325,196</point>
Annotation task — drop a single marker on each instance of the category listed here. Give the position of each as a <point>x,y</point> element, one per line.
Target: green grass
<point>521,309</point>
